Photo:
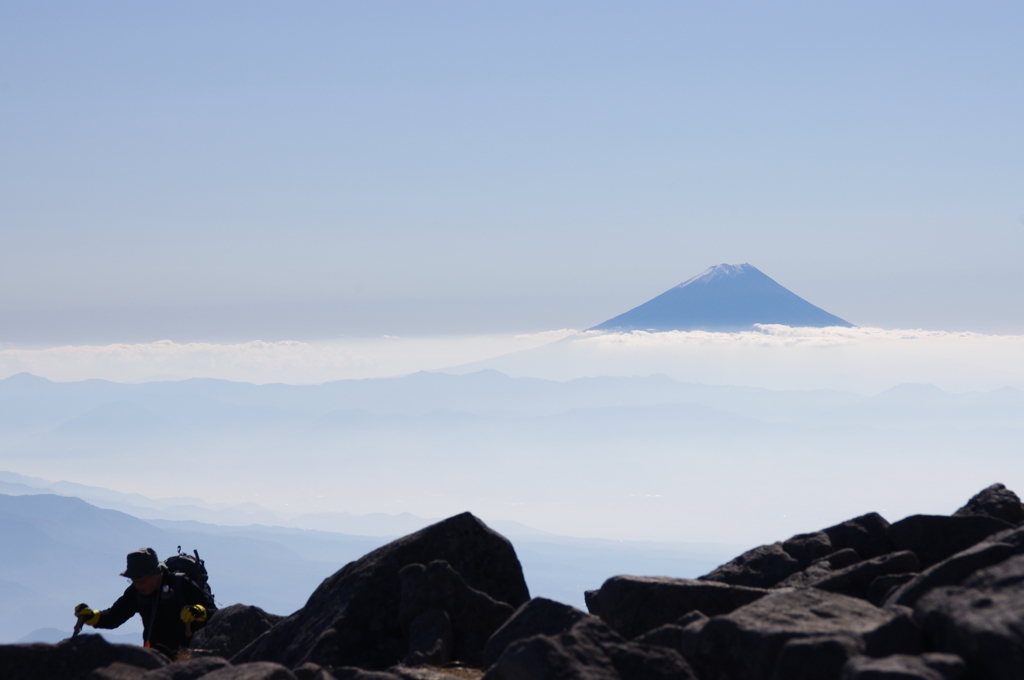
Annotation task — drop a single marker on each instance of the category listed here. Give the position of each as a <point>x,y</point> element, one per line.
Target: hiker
<point>172,605</point>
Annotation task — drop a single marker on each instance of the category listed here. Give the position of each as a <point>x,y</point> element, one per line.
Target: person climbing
<point>172,605</point>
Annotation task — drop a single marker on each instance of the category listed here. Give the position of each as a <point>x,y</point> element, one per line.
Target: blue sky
<point>245,171</point>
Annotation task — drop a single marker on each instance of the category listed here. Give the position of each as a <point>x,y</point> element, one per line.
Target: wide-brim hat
<point>142,562</point>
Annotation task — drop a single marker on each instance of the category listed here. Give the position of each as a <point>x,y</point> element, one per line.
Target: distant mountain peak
<point>725,297</point>
<point>719,271</point>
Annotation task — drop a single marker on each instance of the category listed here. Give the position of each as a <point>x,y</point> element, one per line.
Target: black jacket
<point>163,628</point>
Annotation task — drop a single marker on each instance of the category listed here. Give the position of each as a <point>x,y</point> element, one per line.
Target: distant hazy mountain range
<point>726,297</point>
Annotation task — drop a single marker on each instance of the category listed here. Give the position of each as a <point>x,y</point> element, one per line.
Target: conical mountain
<point>727,297</point>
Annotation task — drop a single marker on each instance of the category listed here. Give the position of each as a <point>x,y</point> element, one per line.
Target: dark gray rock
<point>72,659</point>
<point>188,670</point>
<point>745,644</point>
<point>682,636</point>
<point>419,673</point>
<point>761,567</point>
<point>816,658</point>
<point>933,538</point>
<point>995,501</point>
<point>955,569</point>
<point>352,619</point>
<point>855,579</point>
<point>256,670</point>
<point>430,639</point>
<point>880,588</point>
<point>820,569</point>
<point>474,614</point>
<point>842,558</point>
<point>117,671</point>
<point>589,597</point>
<point>806,548</point>
<point>633,605</point>
<point>590,650</point>
<point>539,616</point>
<point>353,673</point>
<point>899,635</point>
<point>867,534</point>
<point>981,621</point>
<point>230,629</point>
<point>312,671</point>
<point>905,667</point>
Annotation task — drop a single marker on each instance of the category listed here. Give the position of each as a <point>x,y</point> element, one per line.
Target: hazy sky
<point>237,171</point>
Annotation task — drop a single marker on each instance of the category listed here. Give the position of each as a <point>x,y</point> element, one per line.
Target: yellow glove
<point>87,615</point>
<point>195,612</point>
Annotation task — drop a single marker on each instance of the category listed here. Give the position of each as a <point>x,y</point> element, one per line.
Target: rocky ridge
<point>928,597</point>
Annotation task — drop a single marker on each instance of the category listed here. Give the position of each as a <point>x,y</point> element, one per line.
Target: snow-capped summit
<point>726,297</point>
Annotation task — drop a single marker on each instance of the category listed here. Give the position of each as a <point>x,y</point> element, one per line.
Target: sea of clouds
<point>864,360</point>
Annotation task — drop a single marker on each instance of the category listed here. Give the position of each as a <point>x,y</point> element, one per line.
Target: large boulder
<point>955,569</point>
<point>230,629</point>
<point>72,659</point>
<point>590,650</point>
<point>633,605</point>
<point>539,616</point>
<point>933,538</point>
<point>473,614</point>
<point>745,644</point>
<point>352,619</point>
<point>995,501</point>
<point>981,620</point>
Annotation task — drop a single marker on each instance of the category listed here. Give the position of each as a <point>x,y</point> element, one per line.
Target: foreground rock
<point>539,616</point>
<point>189,670</point>
<point>906,667</point>
<point>259,670</point>
<point>591,650</point>
<point>995,501</point>
<point>634,605</point>
<point>72,659</point>
<point>934,538</point>
<point>951,591</point>
<point>444,614</point>
<point>746,644</point>
<point>957,568</point>
<point>682,636</point>
<point>353,618</point>
<point>981,620</point>
<point>766,566</point>
<point>230,629</point>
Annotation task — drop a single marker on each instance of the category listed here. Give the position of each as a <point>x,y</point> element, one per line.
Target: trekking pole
<point>78,627</point>
<point>188,629</point>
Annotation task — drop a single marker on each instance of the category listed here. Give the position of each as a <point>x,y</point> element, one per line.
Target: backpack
<point>192,568</point>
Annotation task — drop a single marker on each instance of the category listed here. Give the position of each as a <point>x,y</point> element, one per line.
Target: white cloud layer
<point>262,362</point>
<point>779,357</point>
<point>860,359</point>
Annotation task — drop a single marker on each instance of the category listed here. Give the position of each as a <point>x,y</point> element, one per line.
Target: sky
<point>244,172</point>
